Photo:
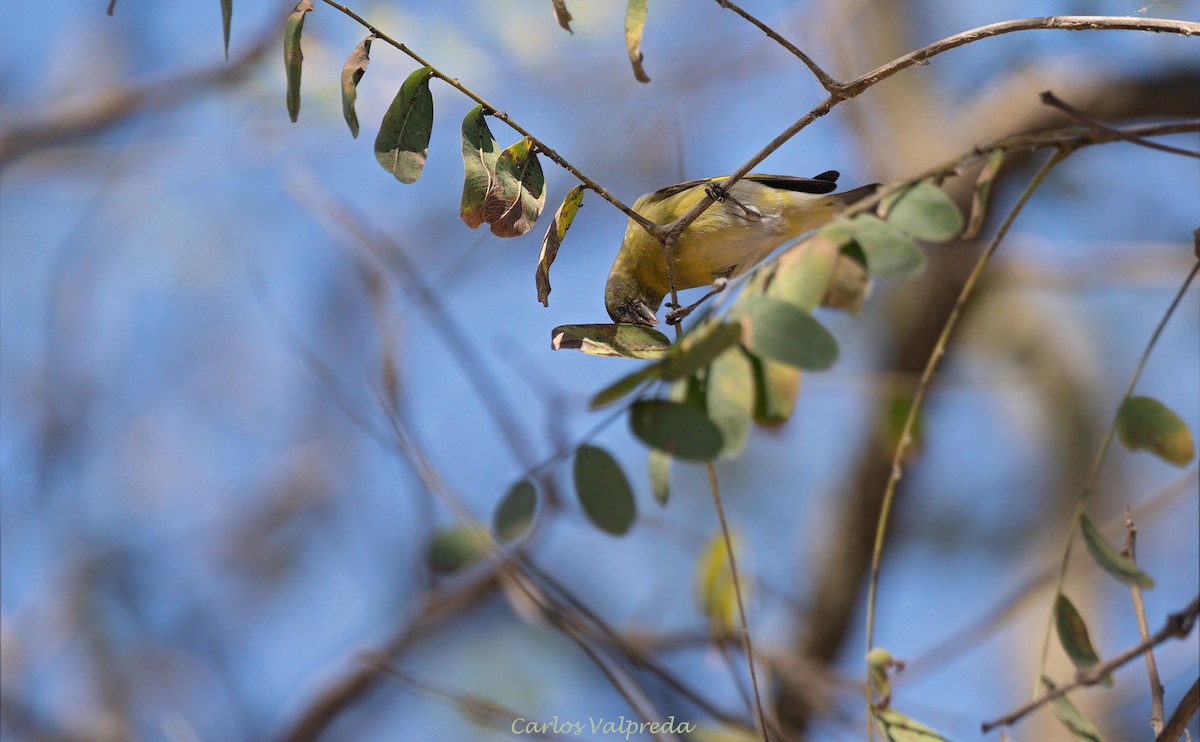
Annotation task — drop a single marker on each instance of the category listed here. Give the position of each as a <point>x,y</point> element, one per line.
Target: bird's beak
<point>647,315</point>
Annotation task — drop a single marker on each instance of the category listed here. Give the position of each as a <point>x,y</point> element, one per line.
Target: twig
<point>906,439</point>
<point>1051,99</point>
<point>1139,610</point>
<point>541,146</point>
<point>1094,473</point>
<point>822,76</point>
<point>1177,626</point>
<point>737,591</point>
<point>1177,725</point>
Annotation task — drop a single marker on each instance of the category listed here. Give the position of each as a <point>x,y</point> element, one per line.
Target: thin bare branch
<point>1157,712</point>
<point>1051,99</point>
<point>1177,725</point>
<point>822,76</point>
<point>1177,626</point>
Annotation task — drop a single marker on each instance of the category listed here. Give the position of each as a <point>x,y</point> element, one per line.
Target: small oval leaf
<point>925,212</point>
<point>553,240</point>
<point>775,329</point>
<point>803,272</point>
<point>403,140</point>
<point>730,399</point>
<point>451,550</point>
<point>1073,635</point>
<point>889,251</point>
<point>635,22</point>
<point>352,72</point>
<point>1145,424</point>
<point>776,389</point>
<point>677,428</point>
<point>603,490</point>
<point>480,152</point>
<point>293,57</point>
<point>519,193</point>
<point>514,515</point>
<point>1109,559</point>
<point>1082,729</point>
<point>660,475</point>
<point>897,727</point>
<point>608,339</point>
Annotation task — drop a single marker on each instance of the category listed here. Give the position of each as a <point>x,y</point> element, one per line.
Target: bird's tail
<point>846,198</point>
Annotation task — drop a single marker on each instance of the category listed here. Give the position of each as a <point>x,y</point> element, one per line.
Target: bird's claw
<point>720,195</point>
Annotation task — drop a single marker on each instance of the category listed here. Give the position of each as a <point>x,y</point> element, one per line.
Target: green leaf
<point>1073,635</point>
<point>403,140</point>
<point>678,428</point>
<point>451,550</point>
<point>897,727</point>
<point>889,252</point>
<point>925,212</point>
<point>803,272</point>
<point>519,193</point>
<point>226,21</point>
<point>1110,560</point>
<point>352,72</point>
<point>981,194</point>
<point>1072,718</point>
<point>603,490</point>
<point>480,152</point>
<point>660,475</point>
<point>776,388</point>
<point>562,15</point>
<point>698,348</point>
<point>774,329</point>
<point>514,515</point>
<point>1145,424</point>
<point>293,57</point>
<point>730,399</point>
<point>553,240</point>
<point>635,21</point>
<point>714,585</point>
<point>623,386</point>
<point>626,340</point>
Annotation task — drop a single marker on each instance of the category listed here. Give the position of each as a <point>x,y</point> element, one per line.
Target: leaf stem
<point>737,591</point>
<point>1094,473</point>
<point>939,350</point>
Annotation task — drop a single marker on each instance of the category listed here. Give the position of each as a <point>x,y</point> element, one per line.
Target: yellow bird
<point>756,215</point>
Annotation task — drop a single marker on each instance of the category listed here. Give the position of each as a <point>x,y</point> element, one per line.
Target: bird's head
<point>628,301</point>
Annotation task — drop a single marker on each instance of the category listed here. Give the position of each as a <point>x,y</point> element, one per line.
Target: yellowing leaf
<point>603,490</point>
<point>981,194</point>
<point>635,21</point>
<point>730,399</point>
<point>803,272</point>
<point>1081,728</point>
<point>519,193</point>
<point>629,341</point>
<point>553,240</point>
<point>403,140</point>
<point>1110,559</point>
<point>714,585</point>
<point>480,152</point>
<point>897,727</point>
<point>698,348</point>
<point>562,15</point>
<point>660,475</point>
<point>352,72</point>
<point>1145,424</point>
<point>293,57</point>
<point>776,388</point>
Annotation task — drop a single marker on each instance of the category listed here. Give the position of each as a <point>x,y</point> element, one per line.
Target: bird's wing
<point>823,183</point>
